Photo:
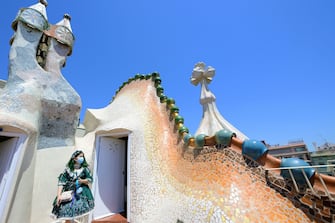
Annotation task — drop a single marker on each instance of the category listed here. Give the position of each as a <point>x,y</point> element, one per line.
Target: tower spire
<point>212,121</point>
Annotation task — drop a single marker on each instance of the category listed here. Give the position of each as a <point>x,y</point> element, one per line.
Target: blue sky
<point>274,60</point>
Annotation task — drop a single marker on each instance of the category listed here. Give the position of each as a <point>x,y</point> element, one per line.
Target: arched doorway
<point>11,147</point>
<point>110,176</point>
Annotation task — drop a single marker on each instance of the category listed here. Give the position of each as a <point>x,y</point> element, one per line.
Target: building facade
<point>296,149</point>
<point>325,155</point>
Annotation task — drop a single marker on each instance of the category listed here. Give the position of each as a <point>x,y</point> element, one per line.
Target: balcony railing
<point>294,180</point>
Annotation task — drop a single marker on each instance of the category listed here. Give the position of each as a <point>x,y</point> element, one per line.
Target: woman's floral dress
<point>82,200</point>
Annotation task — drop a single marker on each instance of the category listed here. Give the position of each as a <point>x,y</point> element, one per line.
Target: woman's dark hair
<point>71,162</point>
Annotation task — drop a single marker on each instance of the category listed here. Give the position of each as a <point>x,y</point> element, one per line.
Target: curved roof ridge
<point>253,149</point>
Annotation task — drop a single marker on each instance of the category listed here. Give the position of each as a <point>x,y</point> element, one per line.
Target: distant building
<point>296,148</point>
<point>324,155</point>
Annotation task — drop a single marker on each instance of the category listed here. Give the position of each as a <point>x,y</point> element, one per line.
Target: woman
<point>76,178</point>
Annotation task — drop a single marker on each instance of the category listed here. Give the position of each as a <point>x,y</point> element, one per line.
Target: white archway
<point>11,148</point>
<point>110,175</point>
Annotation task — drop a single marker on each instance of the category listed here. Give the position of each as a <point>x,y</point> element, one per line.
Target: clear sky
<point>274,59</point>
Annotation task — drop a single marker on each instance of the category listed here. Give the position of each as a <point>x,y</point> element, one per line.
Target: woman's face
<point>78,157</point>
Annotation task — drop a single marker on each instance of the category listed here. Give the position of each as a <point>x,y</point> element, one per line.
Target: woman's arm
<point>59,192</point>
<point>87,178</point>
<point>83,181</point>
